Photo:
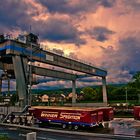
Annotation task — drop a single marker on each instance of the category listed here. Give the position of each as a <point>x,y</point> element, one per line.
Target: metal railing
<point>46,48</point>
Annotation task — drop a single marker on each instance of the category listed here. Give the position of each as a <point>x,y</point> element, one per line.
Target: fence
<point>4,110</point>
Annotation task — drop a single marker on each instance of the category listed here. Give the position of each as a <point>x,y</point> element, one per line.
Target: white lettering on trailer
<point>93,114</point>
<point>100,113</point>
<point>111,111</point>
<point>49,114</point>
<point>75,116</point>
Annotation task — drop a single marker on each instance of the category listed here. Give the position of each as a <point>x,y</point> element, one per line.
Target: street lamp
<point>7,77</point>
<point>30,78</point>
<point>126,94</point>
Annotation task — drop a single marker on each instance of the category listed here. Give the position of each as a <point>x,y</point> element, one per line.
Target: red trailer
<point>108,113</point>
<point>137,112</point>
<point>72,116</point>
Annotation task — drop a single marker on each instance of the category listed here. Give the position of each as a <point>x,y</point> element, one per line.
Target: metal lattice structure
<point>17,56</point>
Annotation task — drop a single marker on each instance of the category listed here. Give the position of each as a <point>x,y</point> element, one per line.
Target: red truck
<point>72,116</point>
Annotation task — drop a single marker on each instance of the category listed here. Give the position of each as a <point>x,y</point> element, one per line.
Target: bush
<point>4,137</point>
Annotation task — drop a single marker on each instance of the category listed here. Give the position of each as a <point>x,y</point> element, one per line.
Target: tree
<point>133,93</point>
<point>99,92</point>
<point>1,98</point>
<point>135,82</point>
<point>118,93</point>
<point>14,99</point>
<point>89,93</point>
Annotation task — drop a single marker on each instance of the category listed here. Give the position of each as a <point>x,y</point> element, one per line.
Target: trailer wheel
<point>100,125</point>
<point>64,126</point>
<point>70,127</point>
<point>76,127</point>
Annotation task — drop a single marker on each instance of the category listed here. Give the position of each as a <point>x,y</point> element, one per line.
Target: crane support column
<point>104,90</point>
<point>20,70</point>
<point>0,85</point>
<point>73,92</point>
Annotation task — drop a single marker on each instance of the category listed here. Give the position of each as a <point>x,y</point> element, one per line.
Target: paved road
<point>16,132</point>
<point>20,134</point>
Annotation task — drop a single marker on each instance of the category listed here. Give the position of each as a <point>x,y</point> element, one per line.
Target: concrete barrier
<point>31,136</point>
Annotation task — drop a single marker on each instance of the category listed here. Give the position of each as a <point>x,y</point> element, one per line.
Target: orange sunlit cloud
<point>104,32</point>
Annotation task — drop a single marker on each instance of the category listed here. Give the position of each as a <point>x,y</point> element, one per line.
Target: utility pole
<point>30,79</point>
<point>30,73</point>
<point>126,98</point>
<point>8,78</point>
<point>0,84</point>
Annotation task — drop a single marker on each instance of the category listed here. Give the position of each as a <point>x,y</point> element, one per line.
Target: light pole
<point>30,78</point>
<point>126,94</point>
<point>9,77</point>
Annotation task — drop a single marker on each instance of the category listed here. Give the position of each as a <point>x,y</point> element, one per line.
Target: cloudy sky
<point>103,32</point>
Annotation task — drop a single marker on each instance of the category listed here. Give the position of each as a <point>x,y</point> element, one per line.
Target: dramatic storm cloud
<point>59,30</point>
<point>75,6</point>
<point>100,33</point>
<point>105,33</point>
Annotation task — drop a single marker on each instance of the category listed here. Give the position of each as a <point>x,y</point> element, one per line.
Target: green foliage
<point>111,92</point>
<point>14,98</point>
<point>99,96</point>
<point>1,98</point>
<point>4,137</point>
<point>135,82</point>
<point>136,77</point>
<point>118,93</point>
<point>89,93</point>
<point>131,91</point>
